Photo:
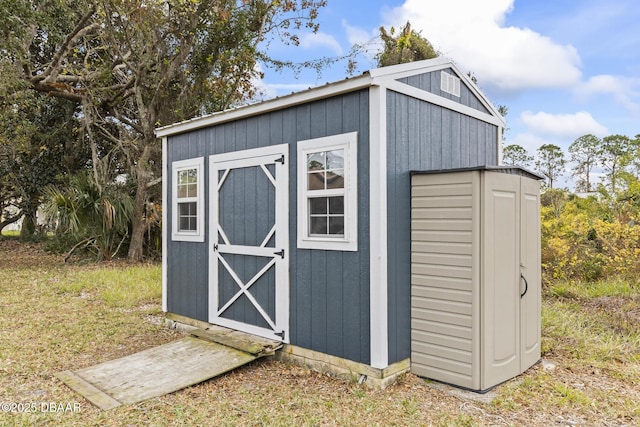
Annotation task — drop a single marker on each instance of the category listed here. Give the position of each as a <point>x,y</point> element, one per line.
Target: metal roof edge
<point>296,98</point>
<point>376,76</point>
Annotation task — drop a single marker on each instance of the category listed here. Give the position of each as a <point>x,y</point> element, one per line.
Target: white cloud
<point>626,91</point>
<point>473,34</point>
<point>528,141</point>
<point>568,126</point>
<point>356,35</point>
<point>322,41</point>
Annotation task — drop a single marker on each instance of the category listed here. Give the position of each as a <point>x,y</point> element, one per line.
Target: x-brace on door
<point>249,254</point>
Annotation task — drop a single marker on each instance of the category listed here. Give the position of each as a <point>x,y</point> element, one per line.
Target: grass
<point>57,316</point>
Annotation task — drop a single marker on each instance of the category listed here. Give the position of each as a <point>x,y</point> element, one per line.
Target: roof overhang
<point>375,77</point>
<point>312,94</point>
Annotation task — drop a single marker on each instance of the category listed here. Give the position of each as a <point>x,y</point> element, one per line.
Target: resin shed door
<point>475,303</point>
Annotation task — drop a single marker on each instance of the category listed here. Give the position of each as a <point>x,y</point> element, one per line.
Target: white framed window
<point>328,193</point>
<point>188,200</point>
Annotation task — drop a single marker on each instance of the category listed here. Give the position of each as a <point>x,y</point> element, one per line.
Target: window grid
<point>188,208</point>
<point>327,193</point>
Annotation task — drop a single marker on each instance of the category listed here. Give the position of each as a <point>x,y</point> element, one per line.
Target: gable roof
<point>384,76</point>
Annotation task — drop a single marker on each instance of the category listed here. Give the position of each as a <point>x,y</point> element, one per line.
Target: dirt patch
<point>17,255</point>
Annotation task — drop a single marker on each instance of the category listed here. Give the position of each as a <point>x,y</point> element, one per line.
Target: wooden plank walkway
<point>166,368</point>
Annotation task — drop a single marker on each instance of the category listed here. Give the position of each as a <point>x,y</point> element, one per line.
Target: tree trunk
<point>28,228</point>
<point>139,223</point>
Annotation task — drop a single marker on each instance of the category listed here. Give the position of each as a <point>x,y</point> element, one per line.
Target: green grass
<point>602,288</point>
<point>117,287</point>
<point>58,316</point>
<point>595,323</point>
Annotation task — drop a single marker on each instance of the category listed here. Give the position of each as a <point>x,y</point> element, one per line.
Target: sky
<point>563,68</point>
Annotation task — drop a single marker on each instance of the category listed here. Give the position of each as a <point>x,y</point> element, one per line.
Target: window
<point>327,193</point>
<point>449,83</point>
<point>188,203</point>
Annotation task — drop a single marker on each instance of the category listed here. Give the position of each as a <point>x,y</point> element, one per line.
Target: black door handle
<point>526,285</point>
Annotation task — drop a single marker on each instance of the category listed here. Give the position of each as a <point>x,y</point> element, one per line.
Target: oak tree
<point>132,66</point>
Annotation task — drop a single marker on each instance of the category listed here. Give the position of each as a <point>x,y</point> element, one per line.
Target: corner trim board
<point>379,322</point>
<point>165,222</point>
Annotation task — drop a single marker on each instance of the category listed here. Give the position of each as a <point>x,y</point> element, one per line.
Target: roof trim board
<point>385,76</point>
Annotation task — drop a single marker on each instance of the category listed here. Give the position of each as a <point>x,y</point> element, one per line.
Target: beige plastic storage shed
<point>475,275</point>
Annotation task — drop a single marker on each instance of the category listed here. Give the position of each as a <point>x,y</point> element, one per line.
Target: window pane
<point>186,209</point>
<point>184,224</point>
<point>336,225</point>
<point>192,189</point>
<point>316,161</point>
<point>335,159</point>
<point>187,216</point>
<point>316,181</point>
<point>187,183</point>
<point>318,205</point>
<point>182,191</point>
<point>182,177</point>
<point>336,205</point>
<point>335,178</point>
<point>318,225</point>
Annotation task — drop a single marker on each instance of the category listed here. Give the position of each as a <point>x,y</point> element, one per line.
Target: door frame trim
<point>281,177</point>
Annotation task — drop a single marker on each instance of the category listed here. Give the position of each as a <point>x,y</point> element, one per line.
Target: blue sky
<point>564,68</point>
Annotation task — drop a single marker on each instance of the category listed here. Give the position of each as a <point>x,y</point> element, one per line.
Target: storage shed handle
<point>526,285</point>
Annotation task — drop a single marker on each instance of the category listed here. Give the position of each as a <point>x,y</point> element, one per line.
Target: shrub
<point>589,239</point>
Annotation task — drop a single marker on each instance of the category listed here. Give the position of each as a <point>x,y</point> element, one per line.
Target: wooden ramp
<point>167,368</point>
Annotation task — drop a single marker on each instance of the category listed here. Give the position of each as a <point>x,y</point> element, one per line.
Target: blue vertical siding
<point>329,290</point>
<point>430,82</point>
<point>421,136</point>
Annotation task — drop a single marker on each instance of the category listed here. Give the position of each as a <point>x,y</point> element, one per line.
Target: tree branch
<point>82,29</point>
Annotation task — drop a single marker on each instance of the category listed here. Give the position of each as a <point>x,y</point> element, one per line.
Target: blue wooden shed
<point>290,218</point>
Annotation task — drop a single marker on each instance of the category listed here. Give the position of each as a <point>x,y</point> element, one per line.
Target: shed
<point>475,275</point>
<point>291,218</point>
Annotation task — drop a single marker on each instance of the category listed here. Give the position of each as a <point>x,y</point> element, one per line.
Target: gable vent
<point>449,83</point>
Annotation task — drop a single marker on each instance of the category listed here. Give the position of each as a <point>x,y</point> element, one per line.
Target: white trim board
<point>165,219</point>
<point>379,321</point>
<point>432,98</point>
<point>378,76</point>
<point>303,97</point>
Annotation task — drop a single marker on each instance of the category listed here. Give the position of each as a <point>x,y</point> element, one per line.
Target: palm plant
<point>97,218</point>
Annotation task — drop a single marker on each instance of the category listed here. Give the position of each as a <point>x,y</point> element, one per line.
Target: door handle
<point>526,285</point>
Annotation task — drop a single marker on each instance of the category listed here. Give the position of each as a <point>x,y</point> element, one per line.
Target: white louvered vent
<point>449,83</point>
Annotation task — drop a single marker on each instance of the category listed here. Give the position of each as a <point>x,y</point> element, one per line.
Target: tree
<point>515,154</point>
<point>635,155</point>
<point>132,66</point>
<point>37,137</point>
<point>614,154</point>
<point>407,46</point>
<point>584,155</point>
<point>550,162</point>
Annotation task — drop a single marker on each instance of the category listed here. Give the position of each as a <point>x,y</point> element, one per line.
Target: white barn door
<point>249,252</point>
